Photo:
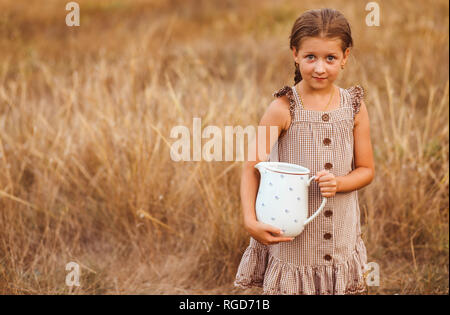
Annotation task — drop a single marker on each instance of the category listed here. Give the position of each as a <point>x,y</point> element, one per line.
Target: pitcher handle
<point>324,201</point>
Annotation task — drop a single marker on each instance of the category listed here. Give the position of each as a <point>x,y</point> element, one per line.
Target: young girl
<point>325,128</point>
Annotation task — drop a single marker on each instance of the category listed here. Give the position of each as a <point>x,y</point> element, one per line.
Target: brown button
<point>328,213</point>
<point>325,117</point>
<point>327,257</point>
<point>327,141</point>
<point>327,236</point>
<point>328,166</point>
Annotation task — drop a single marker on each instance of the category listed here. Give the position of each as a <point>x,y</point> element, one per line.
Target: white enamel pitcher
<point>282,199</point>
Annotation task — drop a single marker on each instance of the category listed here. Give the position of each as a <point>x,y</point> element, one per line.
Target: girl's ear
<point>346,54</point>
<point>294,52</point>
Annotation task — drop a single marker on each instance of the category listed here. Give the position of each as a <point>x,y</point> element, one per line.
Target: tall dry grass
<point>85,119</point>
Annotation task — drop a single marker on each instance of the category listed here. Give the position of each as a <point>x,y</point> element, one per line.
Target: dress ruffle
<point>259,268</point>
<point>253,266</point>
<point>357,94</point>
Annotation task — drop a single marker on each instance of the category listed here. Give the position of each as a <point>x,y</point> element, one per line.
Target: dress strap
<point>357,94</point>
<point>297,98</point>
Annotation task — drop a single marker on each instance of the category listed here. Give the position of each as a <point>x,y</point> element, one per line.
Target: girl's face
<point>320,60</point>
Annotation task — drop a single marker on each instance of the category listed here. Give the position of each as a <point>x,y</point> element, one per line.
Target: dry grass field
<point>85,119</point>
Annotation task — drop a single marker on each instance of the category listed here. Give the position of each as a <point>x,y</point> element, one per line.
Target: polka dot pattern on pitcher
<point>284,215</point>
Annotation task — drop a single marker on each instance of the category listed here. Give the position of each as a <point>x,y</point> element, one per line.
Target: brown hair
<point>327,23</point>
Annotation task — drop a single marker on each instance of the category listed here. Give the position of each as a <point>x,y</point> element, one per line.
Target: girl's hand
<point>327,183</point>
<point>265,233</point>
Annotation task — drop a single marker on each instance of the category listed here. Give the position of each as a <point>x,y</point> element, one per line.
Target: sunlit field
<point>86,112</point>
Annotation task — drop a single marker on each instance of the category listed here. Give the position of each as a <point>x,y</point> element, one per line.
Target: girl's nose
<point>319,68</point>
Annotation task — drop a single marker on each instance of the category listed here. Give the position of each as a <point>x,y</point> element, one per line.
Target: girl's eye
<point>329,58</point>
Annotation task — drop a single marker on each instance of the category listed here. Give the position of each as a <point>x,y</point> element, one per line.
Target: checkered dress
<point>329,256</point>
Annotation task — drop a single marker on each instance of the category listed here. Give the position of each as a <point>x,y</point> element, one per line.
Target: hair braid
<point>298,75</point>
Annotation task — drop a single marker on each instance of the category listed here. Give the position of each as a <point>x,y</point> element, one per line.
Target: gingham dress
<point>329,256</point>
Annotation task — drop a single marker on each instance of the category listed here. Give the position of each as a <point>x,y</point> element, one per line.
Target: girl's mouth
<point>319,79</point>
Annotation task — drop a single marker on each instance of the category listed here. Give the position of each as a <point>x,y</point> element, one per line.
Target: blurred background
<point>85,119</point>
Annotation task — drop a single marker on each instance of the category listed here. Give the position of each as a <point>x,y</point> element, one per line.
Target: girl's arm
<point>277,115</point>
<point>364,170</point>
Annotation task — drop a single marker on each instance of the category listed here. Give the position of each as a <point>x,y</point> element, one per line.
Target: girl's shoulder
<point>286,94</point>
<point>278,113</point>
